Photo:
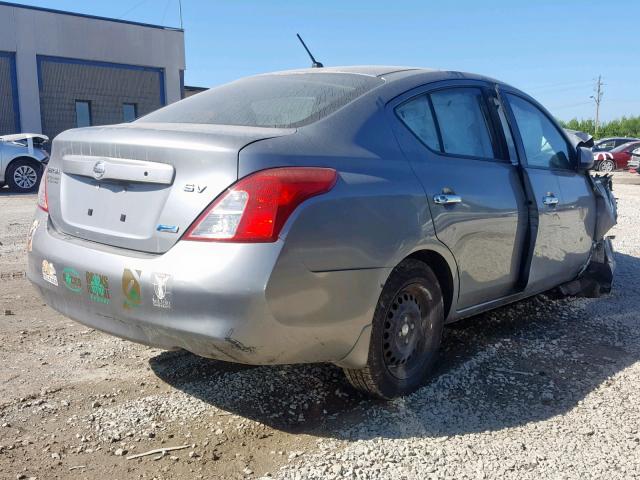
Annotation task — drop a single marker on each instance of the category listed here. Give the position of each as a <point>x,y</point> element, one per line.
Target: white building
<point>60,70</point>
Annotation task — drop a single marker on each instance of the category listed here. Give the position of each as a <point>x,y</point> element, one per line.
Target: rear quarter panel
<point>375,216</point>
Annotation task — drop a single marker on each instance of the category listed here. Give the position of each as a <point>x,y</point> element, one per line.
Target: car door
<point>627,153</point>
<point>563,196</point>
<point>448,133</point>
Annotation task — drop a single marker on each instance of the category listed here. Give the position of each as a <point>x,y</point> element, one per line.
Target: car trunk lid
<point>140,186</point>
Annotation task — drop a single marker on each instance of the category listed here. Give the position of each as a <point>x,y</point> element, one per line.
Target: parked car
<point>615,159</point>
<point>634,163</point>
<point>338,215</point>
<point>609,143</point>
<point>22,160</point>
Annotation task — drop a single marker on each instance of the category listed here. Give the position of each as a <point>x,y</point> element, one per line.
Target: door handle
<point>550,199</point>
<point>447,198</point>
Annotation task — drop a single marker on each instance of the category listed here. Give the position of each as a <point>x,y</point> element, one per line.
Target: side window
<point>632,147</point>
<point>416,115</point>
<point>606,145</point>
<point>543,143</point>
<point>463,119</point>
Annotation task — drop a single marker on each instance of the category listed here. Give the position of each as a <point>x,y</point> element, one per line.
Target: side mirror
<point>585,159</point>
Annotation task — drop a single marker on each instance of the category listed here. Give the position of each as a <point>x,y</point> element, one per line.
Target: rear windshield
<point>281,101</point>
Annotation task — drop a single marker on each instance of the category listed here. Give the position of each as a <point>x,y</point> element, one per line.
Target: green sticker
<point>98,287</point>
<point>131,288</point>
<point>72,279</point>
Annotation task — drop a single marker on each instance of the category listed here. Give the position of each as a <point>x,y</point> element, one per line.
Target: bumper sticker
<point>49,272</point>
<point>131,288</point>
<point>98,287</point>
<point>161,290</point>
<point>32,232</point>
<point>72,279</point>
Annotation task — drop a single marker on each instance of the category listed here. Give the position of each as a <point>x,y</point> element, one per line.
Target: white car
<point>634,163</point>
<point>22,161</point>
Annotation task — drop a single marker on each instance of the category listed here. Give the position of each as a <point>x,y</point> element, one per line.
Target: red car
<point>614,159</point>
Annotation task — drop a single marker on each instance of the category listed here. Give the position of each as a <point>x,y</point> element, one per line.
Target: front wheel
<point>23,176</point>
<point>406,333</point>
<point>606,166</point>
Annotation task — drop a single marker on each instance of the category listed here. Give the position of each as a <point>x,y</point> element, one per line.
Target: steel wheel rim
<point>25,176</point>
<point>405,332</point>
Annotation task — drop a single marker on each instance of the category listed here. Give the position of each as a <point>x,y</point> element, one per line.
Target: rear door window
<point>464,122</point>
<point>544,145</point>
<point>416,115</point>
<point>454,121</point>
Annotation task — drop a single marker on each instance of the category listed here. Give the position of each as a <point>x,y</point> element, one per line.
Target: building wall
<point>8,94</point>
<point>106,86</point>
<point>31,33</point>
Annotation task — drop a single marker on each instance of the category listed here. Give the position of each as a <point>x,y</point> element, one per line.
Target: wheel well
<point>441,270</point>
<point>32,161</point>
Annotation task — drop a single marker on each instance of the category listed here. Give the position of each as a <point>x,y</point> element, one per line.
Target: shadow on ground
<point>5,191</point>
<point>525,362</point>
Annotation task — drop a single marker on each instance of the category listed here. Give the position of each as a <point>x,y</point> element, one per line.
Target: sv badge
<point>193,187</point>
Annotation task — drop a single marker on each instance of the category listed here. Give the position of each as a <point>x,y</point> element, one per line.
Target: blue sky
<point>553,50</point>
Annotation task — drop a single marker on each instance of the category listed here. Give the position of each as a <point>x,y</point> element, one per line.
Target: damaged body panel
<point>336,215</point>
<point>596,277</point>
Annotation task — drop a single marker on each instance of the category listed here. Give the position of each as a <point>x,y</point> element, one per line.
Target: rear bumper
<point>247,303</point>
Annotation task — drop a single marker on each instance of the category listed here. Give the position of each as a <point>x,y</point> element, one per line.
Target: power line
<point>164,12</point>
<point>131,9</point>
<point>556,85</point>
<point>568,105</point>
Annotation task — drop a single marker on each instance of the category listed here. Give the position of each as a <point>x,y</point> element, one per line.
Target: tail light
<point>256,208</point>
<point>43,199</point>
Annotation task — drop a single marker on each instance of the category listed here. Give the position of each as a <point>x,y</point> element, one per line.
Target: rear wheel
<point>23,175</point>
<point>606,166</point>
<point>406,333</point>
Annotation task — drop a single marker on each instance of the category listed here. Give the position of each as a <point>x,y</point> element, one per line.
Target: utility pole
<point>597,98</point>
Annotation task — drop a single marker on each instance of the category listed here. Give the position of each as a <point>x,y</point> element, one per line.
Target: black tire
<point>406,333</point>
<point>23,175</point>
<point>607,165</point>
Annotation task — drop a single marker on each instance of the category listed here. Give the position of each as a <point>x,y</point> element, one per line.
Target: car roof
<point>625,145</point>
<point>630,139</point>
<point>391,72</point>
<point>399,78</point>
<point>370,70</point>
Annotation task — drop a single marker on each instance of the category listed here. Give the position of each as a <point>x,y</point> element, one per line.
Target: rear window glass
<point>280,101</point>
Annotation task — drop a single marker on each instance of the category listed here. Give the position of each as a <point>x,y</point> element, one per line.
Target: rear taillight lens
<point>256,208</point>
<point>43,200</point>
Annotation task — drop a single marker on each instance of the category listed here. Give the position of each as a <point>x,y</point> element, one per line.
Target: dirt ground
<point>76,403</point>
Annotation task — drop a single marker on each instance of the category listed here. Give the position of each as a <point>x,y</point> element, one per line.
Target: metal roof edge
<point>92,17</point>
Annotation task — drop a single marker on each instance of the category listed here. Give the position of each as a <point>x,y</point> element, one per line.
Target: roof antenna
<point>314,63</point>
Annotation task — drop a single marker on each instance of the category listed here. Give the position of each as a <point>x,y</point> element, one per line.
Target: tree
<point>621,127</point>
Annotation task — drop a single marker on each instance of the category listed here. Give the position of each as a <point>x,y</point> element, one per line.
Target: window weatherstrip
<point>435,122</point>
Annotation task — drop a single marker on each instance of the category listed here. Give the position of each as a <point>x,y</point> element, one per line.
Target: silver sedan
<point>22,161</point>
<point>338,215</point>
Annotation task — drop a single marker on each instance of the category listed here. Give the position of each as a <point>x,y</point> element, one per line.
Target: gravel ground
<point>544,388</point>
